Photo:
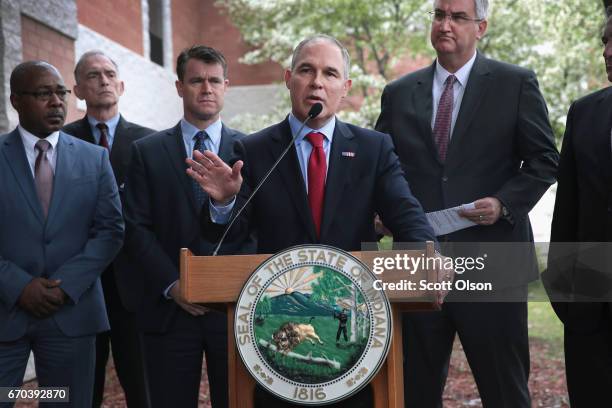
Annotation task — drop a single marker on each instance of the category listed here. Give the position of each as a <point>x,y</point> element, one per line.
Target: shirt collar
<point>462,74</point>
<point>29,140</point>
<point>111,123</point>
<point>213,130</point>
<point>327,129</point>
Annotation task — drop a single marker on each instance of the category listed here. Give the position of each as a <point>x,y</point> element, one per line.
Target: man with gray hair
<point>334,172</point>
<point>469,129</point>
<point>99,85</point>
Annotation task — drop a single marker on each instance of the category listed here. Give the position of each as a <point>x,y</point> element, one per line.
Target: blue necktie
<point>200,145</point>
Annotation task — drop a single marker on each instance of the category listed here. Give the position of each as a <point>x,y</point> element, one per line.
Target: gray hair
<point>481,7</point>
<point>346,59</point>
<point>84,57</point>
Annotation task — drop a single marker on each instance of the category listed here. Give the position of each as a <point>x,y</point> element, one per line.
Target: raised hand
<point>220,181</point>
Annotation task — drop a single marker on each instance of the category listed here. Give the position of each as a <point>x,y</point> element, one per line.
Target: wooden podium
<point>219,279</point>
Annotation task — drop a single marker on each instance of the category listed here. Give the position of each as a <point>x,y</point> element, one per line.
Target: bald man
<point>60,226</point>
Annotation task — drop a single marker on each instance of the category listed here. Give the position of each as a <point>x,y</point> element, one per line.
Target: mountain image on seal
<point>298,304</point>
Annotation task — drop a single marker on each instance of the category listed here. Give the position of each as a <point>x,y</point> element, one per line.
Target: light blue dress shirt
<point>112,127</point>
<point>212,142</point>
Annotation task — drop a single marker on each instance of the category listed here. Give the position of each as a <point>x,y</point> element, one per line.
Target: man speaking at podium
<point>333,180</point>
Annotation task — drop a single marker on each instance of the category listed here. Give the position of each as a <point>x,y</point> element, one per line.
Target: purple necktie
<point>43,175</point>
<point>444,116</point>
<point>103,134</point>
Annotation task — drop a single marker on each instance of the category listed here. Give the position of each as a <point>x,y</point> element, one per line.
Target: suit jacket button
<point>444,179</point>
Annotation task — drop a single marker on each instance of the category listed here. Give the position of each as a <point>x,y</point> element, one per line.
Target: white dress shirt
<point>29,143</point>
<point>440,75</point>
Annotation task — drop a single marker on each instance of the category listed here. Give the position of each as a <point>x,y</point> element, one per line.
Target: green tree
<point>559,40</point>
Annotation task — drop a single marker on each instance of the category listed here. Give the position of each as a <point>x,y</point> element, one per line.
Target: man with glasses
<point>99,85</point>
<point>60,227</point>
<point>472,129</point>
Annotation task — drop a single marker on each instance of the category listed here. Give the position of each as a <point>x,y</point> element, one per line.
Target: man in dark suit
<point>162,210</point>
<point>60,227</point>
<point>303,202</point>
<point>471,129</point>
<point>581,276</point>
<point>98,83</point>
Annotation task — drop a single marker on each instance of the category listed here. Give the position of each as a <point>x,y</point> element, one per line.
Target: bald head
<point>22,74</point>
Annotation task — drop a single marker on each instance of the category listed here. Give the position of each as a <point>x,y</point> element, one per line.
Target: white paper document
<point>448,220</point>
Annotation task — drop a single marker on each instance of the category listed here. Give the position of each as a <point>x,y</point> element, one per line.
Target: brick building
<point>143,37</point>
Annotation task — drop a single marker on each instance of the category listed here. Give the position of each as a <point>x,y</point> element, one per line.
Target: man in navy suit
<point>98,83</point>
<point>579,277</point>
<point>327,189</point>
<point>60,227</point>
<point>162,211</point>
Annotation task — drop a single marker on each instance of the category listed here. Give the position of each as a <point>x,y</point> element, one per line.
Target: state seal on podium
<point>310,327</point>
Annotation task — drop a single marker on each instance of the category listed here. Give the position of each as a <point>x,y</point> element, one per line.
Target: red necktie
<point>317,169</point>
<point>444,116</point>
<point>103,134</point>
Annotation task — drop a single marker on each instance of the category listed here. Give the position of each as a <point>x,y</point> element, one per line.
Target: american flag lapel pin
<point>348,154</point>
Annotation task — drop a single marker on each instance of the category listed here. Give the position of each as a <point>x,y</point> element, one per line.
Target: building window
<point>156,32</point>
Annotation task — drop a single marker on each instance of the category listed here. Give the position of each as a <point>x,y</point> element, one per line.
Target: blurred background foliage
<point>559,40</point>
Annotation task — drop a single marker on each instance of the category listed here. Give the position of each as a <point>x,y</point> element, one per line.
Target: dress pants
<point>174,360</point>
<point>495,340</point>
<point>125,342</point>
<point>588,364</point>
<point>60,361</point>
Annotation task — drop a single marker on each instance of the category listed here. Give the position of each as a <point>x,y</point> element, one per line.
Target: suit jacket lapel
<point>338,174</point>
<point>602,135</point>
<point>84,131</point>
<point>63,172</point>
<point>472,98</point>
<point>120,149</point>
<point>175,148</point>
<point>290,173</point>
<point>226,147</point>
<point>17,161</point>
<point>422,100</point>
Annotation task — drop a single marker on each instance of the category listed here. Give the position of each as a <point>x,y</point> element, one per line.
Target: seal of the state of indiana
<point>310,327</point>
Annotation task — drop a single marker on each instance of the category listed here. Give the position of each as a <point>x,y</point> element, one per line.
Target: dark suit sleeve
<point>105,237</point>
<point>400,211</point>
<point>239,232</point>
<point>557,278</point>
<point>13,280</point>
<point>382,123</point>
<point>565,216</point>
<point>141,244</point>
<point>536,148</point>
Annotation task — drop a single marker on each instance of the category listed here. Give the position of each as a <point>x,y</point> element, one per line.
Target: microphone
<point>314,111</point>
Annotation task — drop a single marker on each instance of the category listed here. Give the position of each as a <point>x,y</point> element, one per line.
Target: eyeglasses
<point>45,96</point>
<point>458,18</point>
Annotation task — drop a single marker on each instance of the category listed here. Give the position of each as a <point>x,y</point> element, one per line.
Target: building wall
<point>57,15</point>
<point>202,22</point>
<point>150,97</point>
<point>118,20</point>
<point>40,42</point>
